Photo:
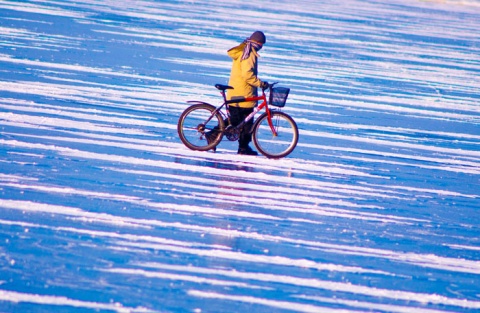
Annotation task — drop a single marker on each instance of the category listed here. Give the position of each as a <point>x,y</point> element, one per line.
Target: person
<point>244,80</point>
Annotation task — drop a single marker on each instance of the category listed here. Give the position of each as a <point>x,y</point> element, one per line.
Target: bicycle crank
<point>232,133</point>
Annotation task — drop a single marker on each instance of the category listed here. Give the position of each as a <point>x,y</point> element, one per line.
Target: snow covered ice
<point>103,209</point>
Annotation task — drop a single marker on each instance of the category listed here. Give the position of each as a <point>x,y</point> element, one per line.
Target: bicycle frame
<point>226,102</point>
<point>263,105</point>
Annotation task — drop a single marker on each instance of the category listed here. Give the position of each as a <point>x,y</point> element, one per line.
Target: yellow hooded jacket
<point>243,76</point>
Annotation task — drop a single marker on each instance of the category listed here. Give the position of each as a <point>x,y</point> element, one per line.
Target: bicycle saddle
<point>223,87</point>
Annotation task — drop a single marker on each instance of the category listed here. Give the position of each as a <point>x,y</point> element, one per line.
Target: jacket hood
<point>237,52</point>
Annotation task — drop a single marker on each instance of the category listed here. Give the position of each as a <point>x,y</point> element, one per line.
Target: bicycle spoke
<point>280,144</point>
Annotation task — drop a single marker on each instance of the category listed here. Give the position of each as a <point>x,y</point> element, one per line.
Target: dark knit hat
<point>259,37</point>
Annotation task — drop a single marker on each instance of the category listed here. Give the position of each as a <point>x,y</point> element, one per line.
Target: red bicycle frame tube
<point>264,104</point>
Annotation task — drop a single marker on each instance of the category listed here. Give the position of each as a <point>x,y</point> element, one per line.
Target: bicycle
<point>202,126</point>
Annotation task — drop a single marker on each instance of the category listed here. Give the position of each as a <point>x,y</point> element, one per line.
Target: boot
<point>247,151</point>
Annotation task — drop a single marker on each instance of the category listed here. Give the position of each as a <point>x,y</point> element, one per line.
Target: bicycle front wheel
<point>200,128</point>
<point>276,144</point>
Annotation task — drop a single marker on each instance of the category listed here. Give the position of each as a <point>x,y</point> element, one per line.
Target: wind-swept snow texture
<point>102,208</point>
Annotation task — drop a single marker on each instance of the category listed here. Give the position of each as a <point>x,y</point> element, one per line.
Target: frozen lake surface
<point>102,208</point>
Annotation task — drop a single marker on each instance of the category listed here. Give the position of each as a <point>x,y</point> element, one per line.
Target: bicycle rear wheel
<point>199,128</point>
<point>279,145</point>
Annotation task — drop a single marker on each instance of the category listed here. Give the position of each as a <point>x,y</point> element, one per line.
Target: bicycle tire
<point>195,122</point>
<point>281,145</point>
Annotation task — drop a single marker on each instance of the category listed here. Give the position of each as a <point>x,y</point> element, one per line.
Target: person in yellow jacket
<point>244,80</point>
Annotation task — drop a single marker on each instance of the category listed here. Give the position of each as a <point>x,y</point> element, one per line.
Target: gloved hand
<point>264,85</point>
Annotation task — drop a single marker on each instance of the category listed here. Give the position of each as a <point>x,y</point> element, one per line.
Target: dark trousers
<point>237,115</point>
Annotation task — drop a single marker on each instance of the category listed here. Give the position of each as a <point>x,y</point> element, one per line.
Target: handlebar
<point>269,86</point>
